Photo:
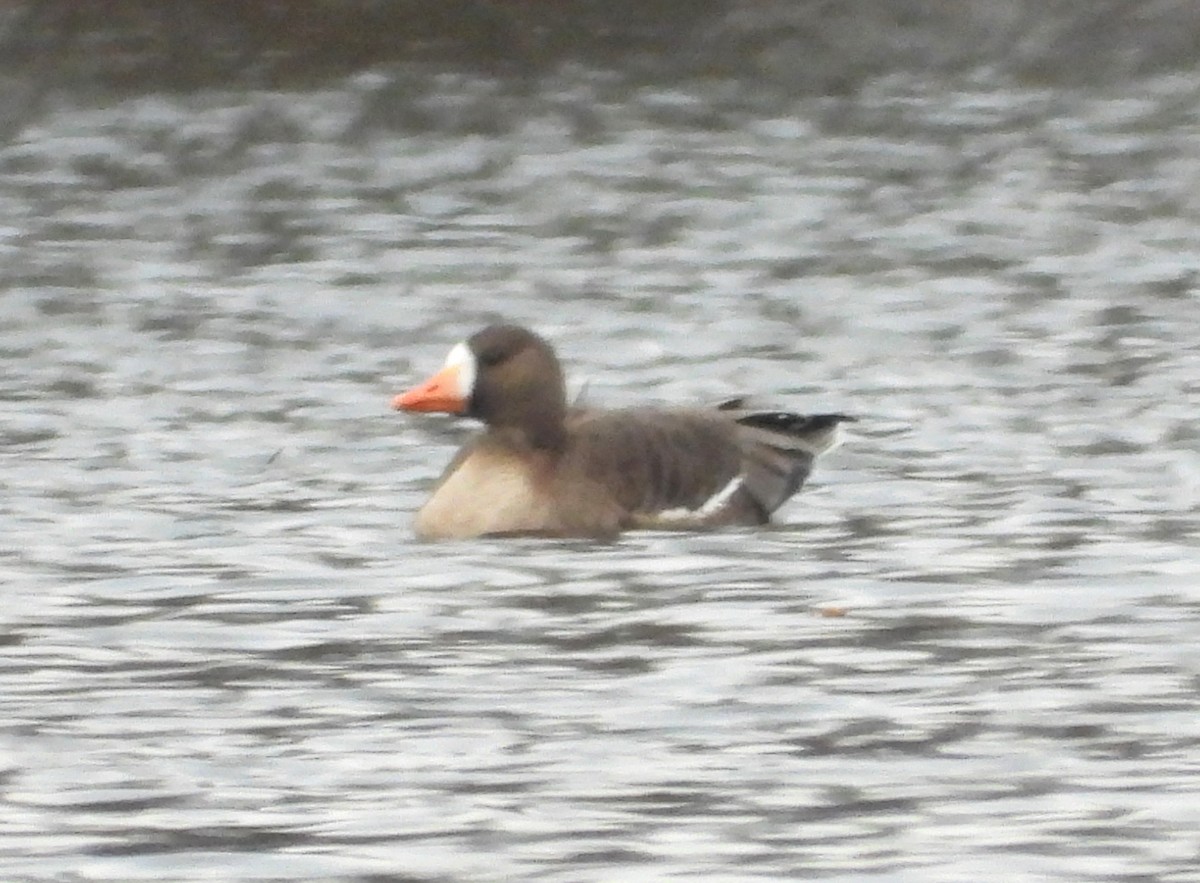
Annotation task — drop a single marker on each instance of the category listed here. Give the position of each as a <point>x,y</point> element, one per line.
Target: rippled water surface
<point>968,649</point>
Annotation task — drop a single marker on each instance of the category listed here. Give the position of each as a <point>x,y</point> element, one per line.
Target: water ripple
<point>969,640</point>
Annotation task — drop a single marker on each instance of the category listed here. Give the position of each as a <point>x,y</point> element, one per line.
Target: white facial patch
<point>463,359</point>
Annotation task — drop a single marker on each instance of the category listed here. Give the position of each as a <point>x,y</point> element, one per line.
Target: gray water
<point>968,649</point>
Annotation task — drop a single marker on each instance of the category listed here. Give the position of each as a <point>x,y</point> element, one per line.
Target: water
<point>969,645</point>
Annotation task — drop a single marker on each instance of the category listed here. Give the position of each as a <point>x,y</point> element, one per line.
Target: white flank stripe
<point>721,497</point>
<point>709,507</point>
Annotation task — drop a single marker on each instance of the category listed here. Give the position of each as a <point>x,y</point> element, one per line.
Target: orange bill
<point>439,393</point>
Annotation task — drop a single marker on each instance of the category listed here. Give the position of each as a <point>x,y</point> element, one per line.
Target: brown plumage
<point>542,467</point>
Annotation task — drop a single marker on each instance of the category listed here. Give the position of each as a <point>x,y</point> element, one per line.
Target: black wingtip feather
<point>783,421</point>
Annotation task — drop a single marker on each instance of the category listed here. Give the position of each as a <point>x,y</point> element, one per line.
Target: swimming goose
<point>543,467</point>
